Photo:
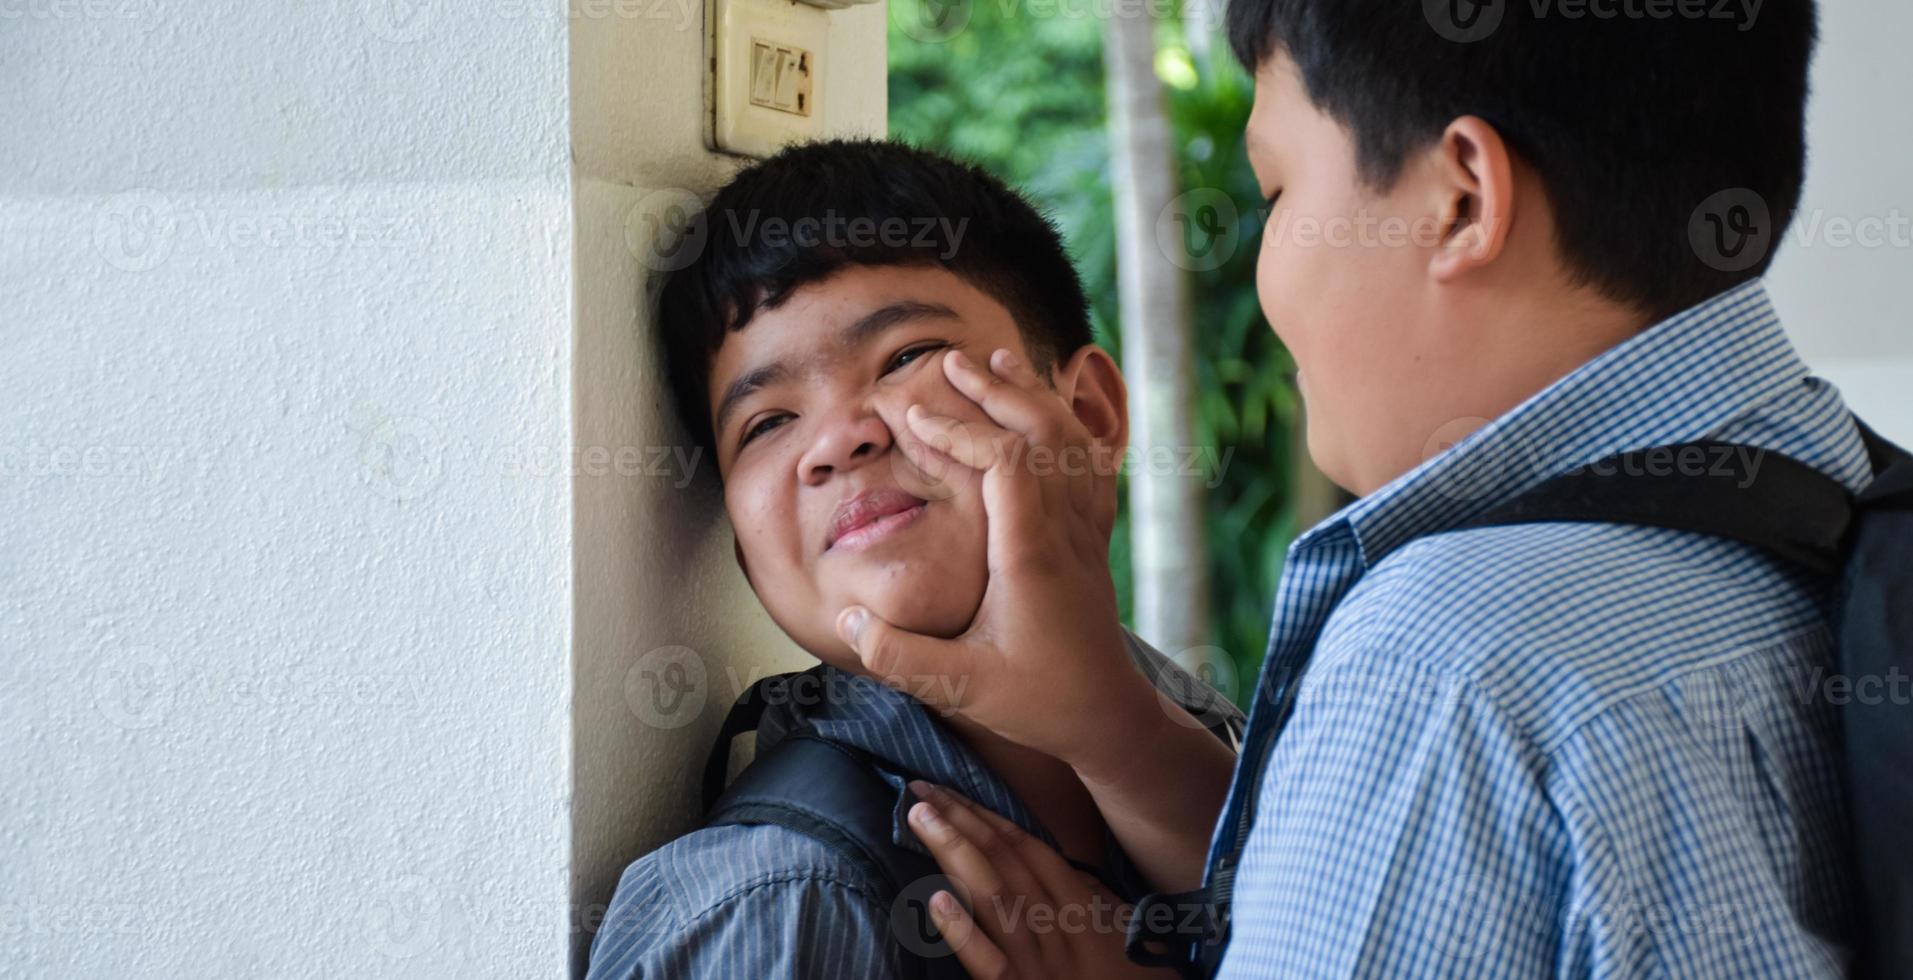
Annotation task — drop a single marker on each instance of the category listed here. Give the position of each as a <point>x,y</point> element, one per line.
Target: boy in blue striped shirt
<point>1505,240</point>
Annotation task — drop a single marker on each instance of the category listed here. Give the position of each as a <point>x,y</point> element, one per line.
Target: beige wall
<point>658,592</point>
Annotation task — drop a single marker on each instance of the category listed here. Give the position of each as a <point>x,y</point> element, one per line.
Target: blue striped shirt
<point>1582,750</point>
<point>762,901</point>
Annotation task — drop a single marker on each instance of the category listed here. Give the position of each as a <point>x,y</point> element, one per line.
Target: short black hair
<point>1634,122</point>
<point>814,208</point>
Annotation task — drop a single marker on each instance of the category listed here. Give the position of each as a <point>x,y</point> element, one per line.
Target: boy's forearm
<point>1159,780</point>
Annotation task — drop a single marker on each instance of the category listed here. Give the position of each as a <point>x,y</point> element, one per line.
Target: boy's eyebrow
<point>859,330</point>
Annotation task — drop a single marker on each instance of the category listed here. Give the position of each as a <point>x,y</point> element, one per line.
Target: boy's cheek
<point>770,533</point>
<point>932,389</point>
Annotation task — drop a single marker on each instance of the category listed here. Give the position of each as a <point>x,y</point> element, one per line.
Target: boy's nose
<point>846,440</point>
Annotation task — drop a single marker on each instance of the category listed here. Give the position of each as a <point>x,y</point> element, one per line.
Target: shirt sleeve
<point>792,924</point>
<point>1400,830</point>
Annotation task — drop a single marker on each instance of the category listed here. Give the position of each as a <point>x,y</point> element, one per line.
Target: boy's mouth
<point>866,518</point>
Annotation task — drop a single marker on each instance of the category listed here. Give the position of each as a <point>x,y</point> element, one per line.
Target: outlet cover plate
<point>766,74</point>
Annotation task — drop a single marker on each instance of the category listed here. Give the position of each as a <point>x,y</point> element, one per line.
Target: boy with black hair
<point>839,285</point>
<point>1537,749</point>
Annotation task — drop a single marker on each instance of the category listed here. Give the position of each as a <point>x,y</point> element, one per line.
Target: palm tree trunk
<point>1169,561</point>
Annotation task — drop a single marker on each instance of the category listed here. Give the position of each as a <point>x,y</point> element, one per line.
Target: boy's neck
<point>1046,785</point>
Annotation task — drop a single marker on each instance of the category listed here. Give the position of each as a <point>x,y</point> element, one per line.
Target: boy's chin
<point>939,618</point>
<point>941,605</point>
<point>938,622</point>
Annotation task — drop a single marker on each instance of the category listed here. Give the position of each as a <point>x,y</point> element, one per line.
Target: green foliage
<point>1023,96</point>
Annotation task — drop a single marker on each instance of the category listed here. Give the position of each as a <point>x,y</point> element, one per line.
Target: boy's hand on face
<point>1043,663</point>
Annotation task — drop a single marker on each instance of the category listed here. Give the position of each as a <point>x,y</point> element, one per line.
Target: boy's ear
<point>1093,385</point>
<point>1475,182</point>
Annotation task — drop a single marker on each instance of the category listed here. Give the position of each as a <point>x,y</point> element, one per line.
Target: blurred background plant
<point>1021,92</point>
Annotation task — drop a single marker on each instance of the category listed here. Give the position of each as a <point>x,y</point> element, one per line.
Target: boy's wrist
<point>1129,718</point>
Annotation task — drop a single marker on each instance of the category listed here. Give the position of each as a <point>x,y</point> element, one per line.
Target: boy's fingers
<point>1013,408</point>
<point>927,473</point>
<point>957,855</point>
<point>977,445</point>
<point>1006,365</point>
<point>997,847</point>
<point>1068,429</point>
<point>1016,502</point>
<point>1018,523</point>
<point>1078,457</point>
<point>980,957</point>
<point>1047,867</point>
<point>888,652</point>
<point>995,895</point>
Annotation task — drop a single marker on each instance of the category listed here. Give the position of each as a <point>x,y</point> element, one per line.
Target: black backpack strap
<point>743,717</point>
<point>834,794</point>
<point>826,790</point>
<point>1716,488</point>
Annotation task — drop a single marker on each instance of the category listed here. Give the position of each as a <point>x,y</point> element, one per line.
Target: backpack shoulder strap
<point>1721,489</point>
<point>828,791</point>
<point>744,716</point>
<point>835,794</point>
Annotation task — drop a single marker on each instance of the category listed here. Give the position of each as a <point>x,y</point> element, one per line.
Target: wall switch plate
<point>766,65</point>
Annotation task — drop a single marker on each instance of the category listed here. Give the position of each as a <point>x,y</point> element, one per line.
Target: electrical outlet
<point>766,81</point>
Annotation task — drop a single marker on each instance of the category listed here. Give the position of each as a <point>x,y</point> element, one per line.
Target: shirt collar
<point>1676,381</point>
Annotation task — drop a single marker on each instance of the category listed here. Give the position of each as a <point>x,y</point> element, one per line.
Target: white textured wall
<point>286,305</point>
<point>1843,279</point>
<point>657,586</point>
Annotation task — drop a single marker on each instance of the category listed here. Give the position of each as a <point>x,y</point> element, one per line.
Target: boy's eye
<point>762,426</point>
<point>909,354</point>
